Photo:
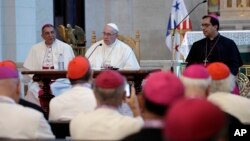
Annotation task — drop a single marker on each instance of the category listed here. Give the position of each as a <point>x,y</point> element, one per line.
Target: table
<point>136,76</point>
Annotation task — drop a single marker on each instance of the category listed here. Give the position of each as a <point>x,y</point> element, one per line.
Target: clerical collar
<point>209,39</point>
<point>48,46</point>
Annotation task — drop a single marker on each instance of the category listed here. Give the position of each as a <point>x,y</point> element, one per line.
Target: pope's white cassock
<point>35,61</point>
<point>118,55</point>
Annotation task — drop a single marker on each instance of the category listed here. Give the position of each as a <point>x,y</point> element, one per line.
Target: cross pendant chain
<point>207,55</point>
<point>205,62</point>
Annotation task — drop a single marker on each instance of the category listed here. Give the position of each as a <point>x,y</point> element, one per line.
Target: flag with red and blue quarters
<point>178,12</point>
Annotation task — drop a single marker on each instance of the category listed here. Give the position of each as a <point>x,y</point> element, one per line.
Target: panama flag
<point>178,12</point>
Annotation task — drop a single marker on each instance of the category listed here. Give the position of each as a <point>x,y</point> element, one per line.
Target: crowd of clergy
<point>197,106</point>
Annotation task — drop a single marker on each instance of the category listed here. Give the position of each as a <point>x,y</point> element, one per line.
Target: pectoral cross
<point>205,62</point>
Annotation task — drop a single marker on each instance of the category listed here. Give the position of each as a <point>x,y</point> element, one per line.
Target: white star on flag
<point>178,12</point>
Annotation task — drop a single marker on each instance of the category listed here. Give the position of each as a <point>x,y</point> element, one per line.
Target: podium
<point>136,76</point>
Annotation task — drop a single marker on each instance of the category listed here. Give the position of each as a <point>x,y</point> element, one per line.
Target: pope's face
<point>109,35</point>
<point>49,35</point>
<point>208,29</point>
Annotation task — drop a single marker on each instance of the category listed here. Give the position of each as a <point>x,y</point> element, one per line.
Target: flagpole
<point>173,51</point>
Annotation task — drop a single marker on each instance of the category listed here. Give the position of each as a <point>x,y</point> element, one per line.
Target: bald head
<point>9,80</point>
<point>109,88</point>
<point>10,88</point>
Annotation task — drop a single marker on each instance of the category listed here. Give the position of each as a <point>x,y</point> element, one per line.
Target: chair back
<point>134,43</point>
<point>60,128</point>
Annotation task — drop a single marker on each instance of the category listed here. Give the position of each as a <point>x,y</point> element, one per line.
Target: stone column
<point>18,28</point>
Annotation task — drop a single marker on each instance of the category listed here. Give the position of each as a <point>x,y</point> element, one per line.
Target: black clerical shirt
<point>221,49</point>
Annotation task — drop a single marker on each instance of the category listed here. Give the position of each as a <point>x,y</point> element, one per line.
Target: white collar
<point>51,44</point>
<point>111,45</point>
<point>106,107</point>
<point>5,99</point>
<point>86,85</point>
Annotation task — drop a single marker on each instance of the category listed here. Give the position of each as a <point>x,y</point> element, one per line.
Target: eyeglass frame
<point>206,25</point>
<point>108,34</point>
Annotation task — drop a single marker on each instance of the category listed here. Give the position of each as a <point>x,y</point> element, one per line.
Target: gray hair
<point>110,97</point>
<point>225,85</point>
<point>192,82</point>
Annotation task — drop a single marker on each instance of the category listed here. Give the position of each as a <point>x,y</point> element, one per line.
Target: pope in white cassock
<point>111,52</point>
<point>45,55</point>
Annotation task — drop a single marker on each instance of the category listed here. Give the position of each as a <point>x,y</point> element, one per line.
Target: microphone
<point>94,50</point>
<point>189,13</point>
<point>173,33</point>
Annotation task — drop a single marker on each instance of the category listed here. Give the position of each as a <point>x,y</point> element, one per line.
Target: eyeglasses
<point>108,34</point>
<point>205,25</point>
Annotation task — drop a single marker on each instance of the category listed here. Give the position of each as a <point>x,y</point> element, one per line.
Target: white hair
<point>196,82</point>
<point>224,85</point>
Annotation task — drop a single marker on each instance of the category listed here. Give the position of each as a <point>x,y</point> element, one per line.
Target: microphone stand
<point>173,34</point>
<point>94,50</point>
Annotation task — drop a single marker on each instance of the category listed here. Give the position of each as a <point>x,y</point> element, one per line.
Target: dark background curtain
<point>69,12</point>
